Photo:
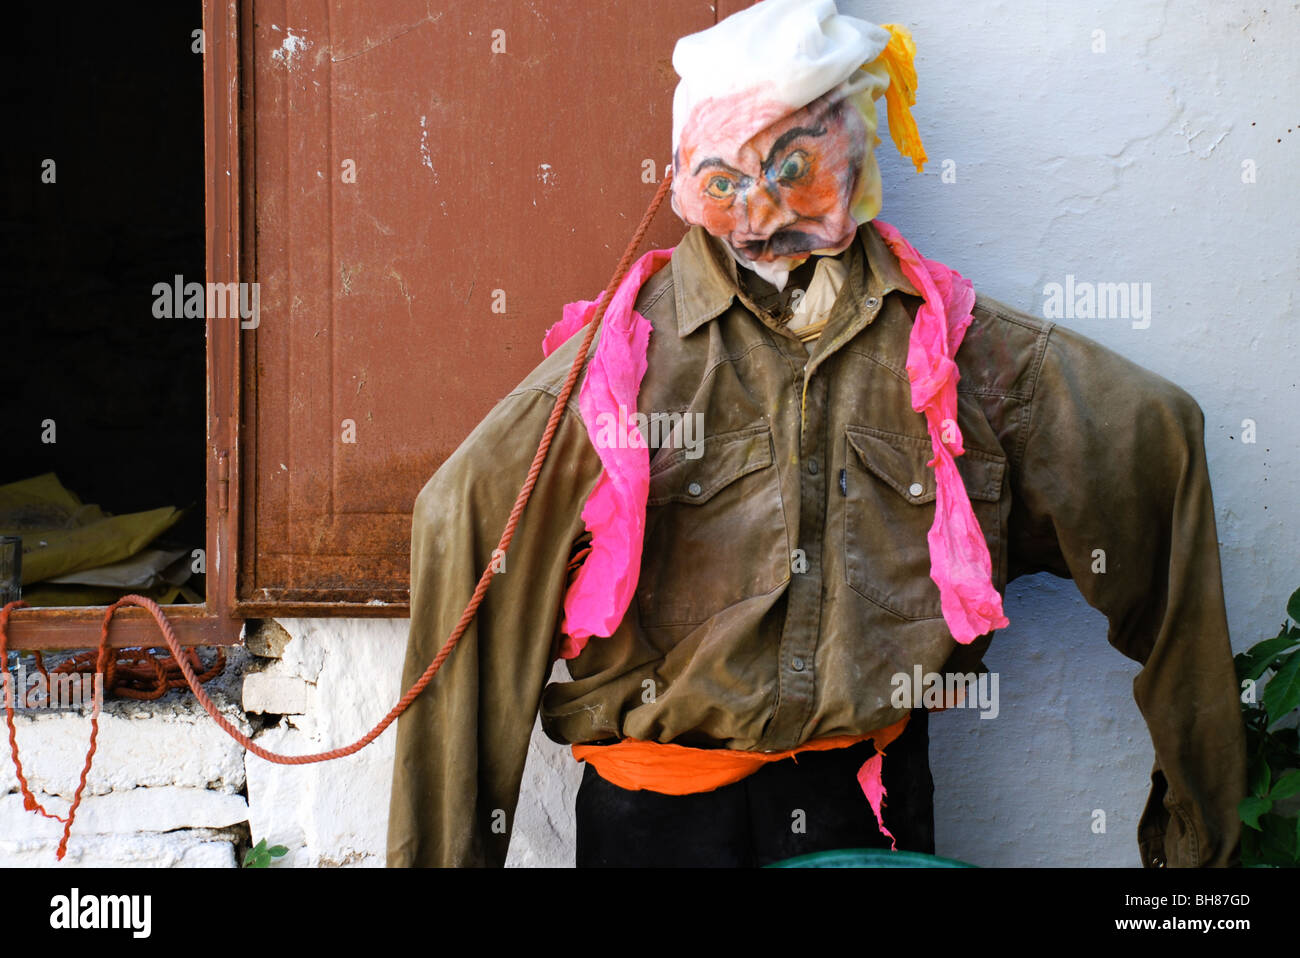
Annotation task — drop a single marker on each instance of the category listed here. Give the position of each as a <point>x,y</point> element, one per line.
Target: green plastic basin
<point>868,858</point>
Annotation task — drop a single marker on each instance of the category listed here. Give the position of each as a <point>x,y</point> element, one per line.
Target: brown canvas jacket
<point>785,576</point>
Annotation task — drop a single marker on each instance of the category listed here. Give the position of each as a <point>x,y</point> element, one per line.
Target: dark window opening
<point>103,200</point>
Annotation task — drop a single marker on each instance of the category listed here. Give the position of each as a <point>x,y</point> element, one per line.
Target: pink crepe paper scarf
<point>959,557</point>
<point>614,514</point>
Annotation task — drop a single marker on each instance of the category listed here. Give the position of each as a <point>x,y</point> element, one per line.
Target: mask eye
<point>794,166</point>
<point>721,188</point>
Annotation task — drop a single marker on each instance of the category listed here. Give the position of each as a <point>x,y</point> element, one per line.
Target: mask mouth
<point>780,245</point>
<point>789,243</point>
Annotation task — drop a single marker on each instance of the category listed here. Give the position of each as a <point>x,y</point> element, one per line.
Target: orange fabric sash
<point>670,769</point>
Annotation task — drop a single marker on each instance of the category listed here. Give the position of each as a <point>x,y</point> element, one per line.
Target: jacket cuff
<point>1167,835</point>
<point>1153,825</point>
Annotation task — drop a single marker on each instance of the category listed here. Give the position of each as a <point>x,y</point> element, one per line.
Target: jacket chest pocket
<point>715,529</point>
<point>889,495</point>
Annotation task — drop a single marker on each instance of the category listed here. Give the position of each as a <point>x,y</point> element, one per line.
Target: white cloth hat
<point>794,50</point>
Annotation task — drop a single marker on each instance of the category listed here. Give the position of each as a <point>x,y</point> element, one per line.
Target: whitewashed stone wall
<point>336,813</point>
<point>165,788</point>
<point>170,789</point>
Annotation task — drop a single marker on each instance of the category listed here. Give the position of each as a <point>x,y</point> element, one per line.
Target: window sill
<point>78,627</point>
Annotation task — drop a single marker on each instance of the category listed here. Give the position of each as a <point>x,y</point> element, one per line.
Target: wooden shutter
<point>500,155</point>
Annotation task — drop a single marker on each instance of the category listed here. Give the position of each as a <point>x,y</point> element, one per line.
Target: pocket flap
<point>900,462</point>
<point>721,460</point>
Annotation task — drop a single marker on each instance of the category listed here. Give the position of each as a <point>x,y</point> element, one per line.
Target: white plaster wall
<point>1122,166</point>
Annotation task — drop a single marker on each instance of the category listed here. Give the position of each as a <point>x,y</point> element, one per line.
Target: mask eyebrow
<point>714,162</point>
<point>790,135</point>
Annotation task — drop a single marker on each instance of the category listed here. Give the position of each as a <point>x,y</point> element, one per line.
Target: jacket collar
<point>706,281</point>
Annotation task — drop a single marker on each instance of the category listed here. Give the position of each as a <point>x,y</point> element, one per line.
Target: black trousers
<point>787,808</point>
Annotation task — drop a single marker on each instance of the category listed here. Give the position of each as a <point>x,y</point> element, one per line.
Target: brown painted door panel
<point>430,184</point>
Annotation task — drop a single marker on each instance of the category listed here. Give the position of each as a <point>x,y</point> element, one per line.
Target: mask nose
<point>767,213</point>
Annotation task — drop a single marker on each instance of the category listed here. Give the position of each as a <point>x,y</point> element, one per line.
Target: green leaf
<point>1280,759</point>
<point>1280,840</point>
<point>1288,738</point>
<point>1293,606</point>
<point>1250,852</point>
<point>257,856</point>
<point>1261,776</point>
<point>1251,808</point>
<point>1254,662</point>
<point>1287,785</point>
<point>1255,719</point>
<point>1283,692</point>
<point>278,851</point>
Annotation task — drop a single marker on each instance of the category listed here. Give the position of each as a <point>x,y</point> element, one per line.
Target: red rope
<point>29,800</point>
<point>186,666</point>
<point>132,673</point>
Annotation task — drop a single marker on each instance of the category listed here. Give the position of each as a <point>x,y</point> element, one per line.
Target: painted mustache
<point>781,243</point>
<point>784,243</point>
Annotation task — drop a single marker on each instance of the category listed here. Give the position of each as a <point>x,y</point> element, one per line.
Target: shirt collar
<point>706,282</point>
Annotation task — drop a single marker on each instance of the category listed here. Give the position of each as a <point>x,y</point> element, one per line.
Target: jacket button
<point>695,488</point>
<point>915,489</point>
<point>812,466</point>
<point>797,664</point>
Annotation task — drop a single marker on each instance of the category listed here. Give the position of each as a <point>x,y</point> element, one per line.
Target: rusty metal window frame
<point>214,622</point>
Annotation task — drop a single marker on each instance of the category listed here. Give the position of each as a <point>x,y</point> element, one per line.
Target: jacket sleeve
<point>1113,491</point>
<point>462,744</point>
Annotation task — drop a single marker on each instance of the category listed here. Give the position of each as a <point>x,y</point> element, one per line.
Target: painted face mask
<point>774,129</point>
<point>799,187</point>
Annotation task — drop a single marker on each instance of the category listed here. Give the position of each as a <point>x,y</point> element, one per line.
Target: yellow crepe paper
<point>899,59</point>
